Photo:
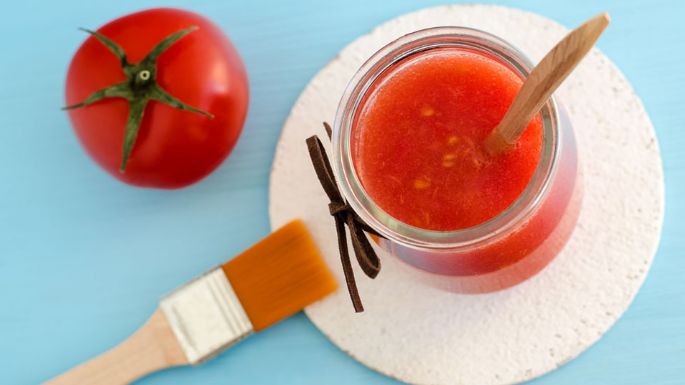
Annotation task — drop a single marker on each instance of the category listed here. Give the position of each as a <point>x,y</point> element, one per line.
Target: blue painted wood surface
<point>84,258</point>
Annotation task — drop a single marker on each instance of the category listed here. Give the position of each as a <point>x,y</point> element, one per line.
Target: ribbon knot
<point>336,207</point>
<point>345,216</point>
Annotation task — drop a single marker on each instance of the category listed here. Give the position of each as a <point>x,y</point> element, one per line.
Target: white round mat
<point>422,335</point>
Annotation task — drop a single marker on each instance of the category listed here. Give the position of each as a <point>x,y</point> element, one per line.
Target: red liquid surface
<point>417,141</point>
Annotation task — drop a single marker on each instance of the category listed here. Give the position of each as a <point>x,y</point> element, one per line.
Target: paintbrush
<point>272,280</point>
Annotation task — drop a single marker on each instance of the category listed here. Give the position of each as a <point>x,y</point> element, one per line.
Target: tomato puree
<point>418,134</point>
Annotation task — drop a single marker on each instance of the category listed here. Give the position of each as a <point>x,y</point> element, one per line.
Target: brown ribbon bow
<point>344,215</point>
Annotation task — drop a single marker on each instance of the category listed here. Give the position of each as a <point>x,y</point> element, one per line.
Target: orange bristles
<point>279,275</point>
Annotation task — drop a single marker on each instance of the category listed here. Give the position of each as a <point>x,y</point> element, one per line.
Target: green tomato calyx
<point>139,88</point>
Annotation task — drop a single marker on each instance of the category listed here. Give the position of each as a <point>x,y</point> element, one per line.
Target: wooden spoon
<point>542,81</point>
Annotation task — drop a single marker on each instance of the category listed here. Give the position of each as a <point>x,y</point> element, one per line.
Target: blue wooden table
<point>84,258</point>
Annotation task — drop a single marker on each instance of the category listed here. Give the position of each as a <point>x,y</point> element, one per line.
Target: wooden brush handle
<point>152,347</point>
<point>543,81</point>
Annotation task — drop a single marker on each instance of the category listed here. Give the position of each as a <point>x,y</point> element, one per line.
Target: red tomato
<point>174,148</point>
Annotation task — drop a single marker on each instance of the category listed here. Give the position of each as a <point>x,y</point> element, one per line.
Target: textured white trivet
<point>422,335</point>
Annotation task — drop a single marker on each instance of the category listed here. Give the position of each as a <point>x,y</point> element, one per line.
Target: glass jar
<point>503,251</point>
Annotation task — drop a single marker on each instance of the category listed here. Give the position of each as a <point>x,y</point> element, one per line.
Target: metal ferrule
<point>206,316</point>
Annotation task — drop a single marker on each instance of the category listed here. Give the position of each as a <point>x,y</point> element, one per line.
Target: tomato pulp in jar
<point>418,141</point>
<point>410,131</point>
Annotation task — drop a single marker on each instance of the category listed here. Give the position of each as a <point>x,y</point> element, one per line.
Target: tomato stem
<point>140,87</point>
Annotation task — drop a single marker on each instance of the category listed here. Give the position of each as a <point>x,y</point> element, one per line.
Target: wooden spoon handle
<point>152,347</point>
<point>543,81</point>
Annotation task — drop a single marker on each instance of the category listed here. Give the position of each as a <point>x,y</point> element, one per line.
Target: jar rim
<point>394,229</point>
